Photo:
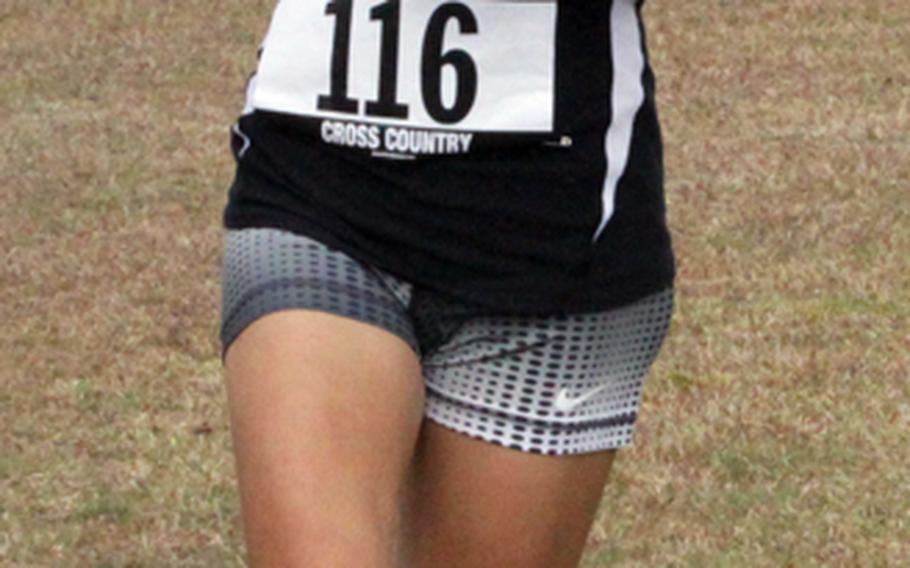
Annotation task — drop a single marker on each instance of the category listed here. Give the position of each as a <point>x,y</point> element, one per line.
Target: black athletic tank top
<point>505,153</point>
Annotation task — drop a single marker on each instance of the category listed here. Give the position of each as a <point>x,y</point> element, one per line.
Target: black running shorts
<point>562,384</point>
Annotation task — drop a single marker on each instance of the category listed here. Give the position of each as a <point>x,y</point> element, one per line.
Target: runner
<point>447,272</point>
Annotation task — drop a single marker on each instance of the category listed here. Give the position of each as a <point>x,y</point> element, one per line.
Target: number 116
<point>433,60</point>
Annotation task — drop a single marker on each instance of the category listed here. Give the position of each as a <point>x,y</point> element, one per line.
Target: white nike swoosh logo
<point>566,403</point>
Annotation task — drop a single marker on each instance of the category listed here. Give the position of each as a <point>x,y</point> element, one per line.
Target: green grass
<point>775,425</point>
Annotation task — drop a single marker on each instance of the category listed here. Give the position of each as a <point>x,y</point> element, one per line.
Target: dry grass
<point>776,425</point>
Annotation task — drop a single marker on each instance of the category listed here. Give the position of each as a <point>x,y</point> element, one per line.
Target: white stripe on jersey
<point>627,98</point>
<point>246,140</point>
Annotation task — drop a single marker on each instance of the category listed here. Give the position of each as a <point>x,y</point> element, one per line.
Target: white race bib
<point>466,65</point>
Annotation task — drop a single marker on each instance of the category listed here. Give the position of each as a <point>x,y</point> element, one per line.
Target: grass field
<point>776,424</point>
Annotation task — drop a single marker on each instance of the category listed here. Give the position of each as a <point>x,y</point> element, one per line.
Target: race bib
<point>464,65</point>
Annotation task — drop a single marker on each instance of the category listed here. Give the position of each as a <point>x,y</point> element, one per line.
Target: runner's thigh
<point>326,398</point>
<point>525,417</point>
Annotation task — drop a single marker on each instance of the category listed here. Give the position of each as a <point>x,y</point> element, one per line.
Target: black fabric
<point>507,226</point>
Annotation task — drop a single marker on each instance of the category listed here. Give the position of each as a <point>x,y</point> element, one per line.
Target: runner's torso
<point>504,152</point>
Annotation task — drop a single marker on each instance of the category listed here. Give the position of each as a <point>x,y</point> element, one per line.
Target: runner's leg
<point>325,411</point>
<point>474,504</point>
<point>524,418</point>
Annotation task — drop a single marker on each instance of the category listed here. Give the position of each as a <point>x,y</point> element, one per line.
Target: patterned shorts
<point>562,384</point>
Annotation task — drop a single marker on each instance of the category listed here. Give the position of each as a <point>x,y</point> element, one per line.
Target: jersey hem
<point>544,303</point>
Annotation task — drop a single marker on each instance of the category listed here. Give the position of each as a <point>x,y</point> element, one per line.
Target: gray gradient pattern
<point>493,377</point>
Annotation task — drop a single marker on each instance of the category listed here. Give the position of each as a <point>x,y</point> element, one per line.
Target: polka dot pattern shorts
<point>557,385</point>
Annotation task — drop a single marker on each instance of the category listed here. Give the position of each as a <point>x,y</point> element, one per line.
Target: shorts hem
<point>609,438</point>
